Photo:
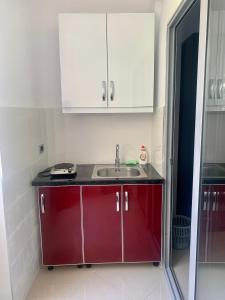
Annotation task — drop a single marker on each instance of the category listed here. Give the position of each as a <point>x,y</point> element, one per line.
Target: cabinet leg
<point>156,263</point>
<point>88,266</point>
<point>80,266</point>
<point>50,268</point>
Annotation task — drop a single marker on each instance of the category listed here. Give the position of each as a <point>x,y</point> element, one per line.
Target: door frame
<point>169,113</point>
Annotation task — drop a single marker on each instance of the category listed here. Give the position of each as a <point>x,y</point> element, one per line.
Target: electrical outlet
<point>41,148</point>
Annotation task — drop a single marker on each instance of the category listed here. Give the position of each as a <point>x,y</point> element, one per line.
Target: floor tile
<point>108,282</point>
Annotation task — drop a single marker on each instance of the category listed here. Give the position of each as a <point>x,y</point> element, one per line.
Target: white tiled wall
<point>22,131</point>
<point>214,142</point>
<point>158,140</point>
<point>92,138</point>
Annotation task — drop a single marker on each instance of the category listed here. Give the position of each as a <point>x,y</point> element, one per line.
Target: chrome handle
<point>117,201</point>
<point>214,201</point>
<point>208,201</point>
<point>112,86</point>
<point>42,203</point>
<point>126,201</point>
<point>205,201</point>
<point>103,90</point>
<point>211,89</point>
<point>220,88</point>
<point>217,200</point>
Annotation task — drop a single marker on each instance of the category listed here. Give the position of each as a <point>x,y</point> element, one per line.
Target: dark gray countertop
<point>207,180</point>
<point>84,173</point>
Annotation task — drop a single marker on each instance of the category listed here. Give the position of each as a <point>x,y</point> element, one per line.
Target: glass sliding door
<point>210,264</point>
<point>184,111</point>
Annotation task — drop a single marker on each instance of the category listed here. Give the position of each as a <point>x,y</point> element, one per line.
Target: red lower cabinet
<point>216,226</point>
<point>60,216</point>
<point>212,224</point>
<point>204,223</point>
<point>142,209</point>
<point>102,224</point>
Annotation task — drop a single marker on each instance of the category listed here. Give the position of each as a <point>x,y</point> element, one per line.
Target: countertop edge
<point>84,178</point>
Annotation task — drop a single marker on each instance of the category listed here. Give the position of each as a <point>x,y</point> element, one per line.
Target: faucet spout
<point>117,159</point>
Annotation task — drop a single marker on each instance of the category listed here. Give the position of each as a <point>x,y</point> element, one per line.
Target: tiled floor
<point>108,282</point>
<point>211,281</point>
<point>181,269</point>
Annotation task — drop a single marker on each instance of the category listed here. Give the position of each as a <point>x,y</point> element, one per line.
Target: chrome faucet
<point>117,160</point>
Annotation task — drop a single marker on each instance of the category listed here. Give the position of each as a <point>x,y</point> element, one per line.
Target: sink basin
<point>213,171</point>
<point>123,172</point>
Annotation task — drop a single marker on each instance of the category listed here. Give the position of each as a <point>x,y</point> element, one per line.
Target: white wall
<point>214,142</point>
<point>164,10</point>
<point>92,138</point>
<point>5,285</point>
<point>22,129</point>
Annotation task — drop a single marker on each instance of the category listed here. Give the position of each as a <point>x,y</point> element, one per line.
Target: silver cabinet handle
<point>217,200</point>
<point>208,201</point>
<point>103,90</point>
<point>219,88</point>
<point>126,201</point>
<point>214,201</point>
<point>205,201</point>
<point>117,201</point>
<point>112,86</point>
<point>42,203</point>
<point>211,89</point>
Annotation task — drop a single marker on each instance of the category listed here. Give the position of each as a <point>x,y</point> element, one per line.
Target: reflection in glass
<point>211,239</point>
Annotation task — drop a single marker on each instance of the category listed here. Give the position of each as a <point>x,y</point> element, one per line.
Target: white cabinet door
<point>131,59</point>
<point>83,58</point>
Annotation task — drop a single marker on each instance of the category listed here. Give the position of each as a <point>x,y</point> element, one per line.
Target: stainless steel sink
<point>110,172</point>
<point>213,170</point>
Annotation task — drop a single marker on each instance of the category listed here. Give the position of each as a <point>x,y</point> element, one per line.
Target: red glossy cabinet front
<point>60,216</point>
<point>216,227</point>
<point>212,224</point>
<point>142,208</point>
<point>204,224</point>
<point>102,224</point>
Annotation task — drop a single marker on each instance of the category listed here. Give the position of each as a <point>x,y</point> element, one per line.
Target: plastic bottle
<point>143,157</point>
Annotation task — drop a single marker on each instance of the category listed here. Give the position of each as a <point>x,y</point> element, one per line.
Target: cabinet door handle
<point>208,201</point>
<point>217,201</point>
<point>219,88</point>
<point>42,203</point>
<point>214,201</point>
<point>103,90</point>
<point>126,201</point>
<point>205,201</point>
<point>112,86</point>
<point>212,91</point>
<point>117,201</point>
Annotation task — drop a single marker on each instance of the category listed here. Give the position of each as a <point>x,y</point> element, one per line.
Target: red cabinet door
<point>204,224</point>
<point>102,224</point>
<point>60,217</point>
<point>216,228</point>
<point>142,216</point>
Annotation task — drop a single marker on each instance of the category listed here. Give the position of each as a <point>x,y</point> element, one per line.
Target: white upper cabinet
<point>131,59</point>
<point>83,58</point>
<point>107,62</point>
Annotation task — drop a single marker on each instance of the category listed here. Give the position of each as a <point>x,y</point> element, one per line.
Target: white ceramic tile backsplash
<point>22,131</point>
<point>157,142</point>
<point>92,138</point>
